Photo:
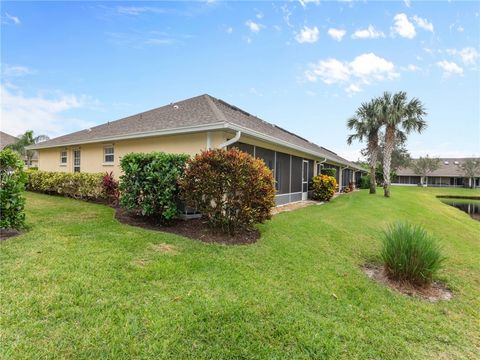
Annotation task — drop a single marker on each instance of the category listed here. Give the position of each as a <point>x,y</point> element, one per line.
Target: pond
<point>471,207</point>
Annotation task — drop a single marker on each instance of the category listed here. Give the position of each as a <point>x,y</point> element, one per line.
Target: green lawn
<point>81,285</point>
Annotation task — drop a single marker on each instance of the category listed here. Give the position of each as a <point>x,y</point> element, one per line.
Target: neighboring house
<point>190,126</point>
<point>449,174</point>
<point>7,139</point>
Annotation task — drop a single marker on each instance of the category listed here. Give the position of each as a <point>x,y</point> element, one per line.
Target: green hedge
<point>329,172</point>
<point>149,184</point>
<point>12,186</point>
<point>365,182</point>
<point>76,185</point>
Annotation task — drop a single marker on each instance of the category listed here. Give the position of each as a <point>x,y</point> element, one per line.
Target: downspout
<point>231,141</point>
<point>321,162</point>
<point>340,186</point>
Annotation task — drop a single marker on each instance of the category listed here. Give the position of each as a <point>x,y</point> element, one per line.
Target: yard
<point>79,284</point>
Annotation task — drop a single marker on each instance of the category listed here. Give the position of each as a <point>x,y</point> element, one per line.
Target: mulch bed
<point>196,229</point>
<point>8,233</point>
<point>436,291</point>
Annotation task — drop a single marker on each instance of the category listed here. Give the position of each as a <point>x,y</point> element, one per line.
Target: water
<point>471,207</point>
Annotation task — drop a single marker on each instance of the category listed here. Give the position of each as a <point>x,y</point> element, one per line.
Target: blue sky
<point>303,65</point>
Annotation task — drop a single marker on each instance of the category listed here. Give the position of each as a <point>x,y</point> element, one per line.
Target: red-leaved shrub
<point>233,190</point>
<point>110,187</point>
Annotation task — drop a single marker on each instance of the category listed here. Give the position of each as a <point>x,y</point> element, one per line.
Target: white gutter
<point>231,141</point>
<point>138,135</point>
<point>186,130</point>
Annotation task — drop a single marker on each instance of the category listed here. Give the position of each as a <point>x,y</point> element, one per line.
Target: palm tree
<point>366,126</point>
<point>400,117</point>
<point>26,140</point>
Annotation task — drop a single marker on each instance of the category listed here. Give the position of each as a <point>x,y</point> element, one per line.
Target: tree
<point>400,157</point>
<point>399,117</point>
<point>471,169</point>
<point>24,141</point>
<point>366,126</point>
<point>424,166</point>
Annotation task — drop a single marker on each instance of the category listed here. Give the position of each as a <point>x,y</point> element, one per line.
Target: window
<point>63,157</point>
<point>76,160</point>
<point>108,154</point>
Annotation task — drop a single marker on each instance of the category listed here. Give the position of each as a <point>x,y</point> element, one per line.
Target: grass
<point>409,253</point>
<point>81,285</point>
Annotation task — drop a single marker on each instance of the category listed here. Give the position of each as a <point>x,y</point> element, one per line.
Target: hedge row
<point>12,185</point>
<point>76,185</point>
<point>149,184</point>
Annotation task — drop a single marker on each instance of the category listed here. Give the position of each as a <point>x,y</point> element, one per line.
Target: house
<point>189,126</point>
<point>449,174</point>
<point>7,139</point>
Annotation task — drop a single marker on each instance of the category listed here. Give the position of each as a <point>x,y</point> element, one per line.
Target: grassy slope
<point>79,284</point>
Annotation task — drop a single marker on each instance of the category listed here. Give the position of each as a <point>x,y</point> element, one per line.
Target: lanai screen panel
<point>268,156</point>
<point>282,173</point>
<point>296,174</point>
<point>244,147</point>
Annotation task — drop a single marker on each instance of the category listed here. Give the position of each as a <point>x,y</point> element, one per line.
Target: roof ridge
<point>218,113</point>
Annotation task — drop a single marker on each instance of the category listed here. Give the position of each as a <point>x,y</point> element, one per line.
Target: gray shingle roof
<point>449,167</point>
<point>6,139</point>
<point>203,110</point>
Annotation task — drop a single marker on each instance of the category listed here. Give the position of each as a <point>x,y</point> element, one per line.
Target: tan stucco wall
<point>92,154</point>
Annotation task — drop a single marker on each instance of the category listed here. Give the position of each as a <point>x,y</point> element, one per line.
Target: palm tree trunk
<point>387,158</point>
<point>373,154</point>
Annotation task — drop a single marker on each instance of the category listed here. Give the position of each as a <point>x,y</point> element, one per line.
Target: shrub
<point>149,184</point>
<point>410,254</point>
<point>329,172</point>
<point>12,186</point>
<point>324,187</point>
<point>76,185</point>
<point>230,188</point>
<point>110,188</point>
<point>349,188</point>
<point>365,182</point>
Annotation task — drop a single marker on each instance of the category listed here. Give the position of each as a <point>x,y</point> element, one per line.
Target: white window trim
<point>61,157</point>
<point>108,163</point>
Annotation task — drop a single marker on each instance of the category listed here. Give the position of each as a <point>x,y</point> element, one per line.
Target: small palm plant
<point>410,254</point>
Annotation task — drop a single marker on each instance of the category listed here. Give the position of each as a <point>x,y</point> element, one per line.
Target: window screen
<point>108,154</point>
<point>243,147</point>
<point>282,173</point>
<point>296,174</point>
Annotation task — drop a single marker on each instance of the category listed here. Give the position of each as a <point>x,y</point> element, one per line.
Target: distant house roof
<point>6,139</point>
<point>199,113</point>
<point>449,167</point>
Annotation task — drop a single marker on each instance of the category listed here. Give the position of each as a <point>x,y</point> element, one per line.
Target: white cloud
<point>253,26</point>
<point>407,3</point>
<point>336,34</point>
<point>304,3</point>
<point>138,10</point>
<point>469,55</point>
<point>412,67</point>
<point>363,69</point>
<point>307,35</point>
<point>449,68</point>
<point>259,15</point>
<point>460,28</point>
<point>330,71</point>
<point>423,23</point>
<point>403,26</point>
<point>229,30</point>
<point>12,19</point>
<point>20,113</point>
<point>15,70</point>
<point>368,33</point>
<point>353,88</point>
